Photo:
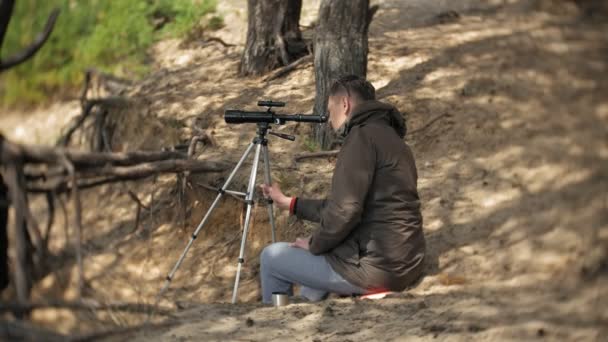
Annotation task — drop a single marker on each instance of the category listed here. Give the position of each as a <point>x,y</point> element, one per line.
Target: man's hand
<point>301,243</point>
<point>274,192</point>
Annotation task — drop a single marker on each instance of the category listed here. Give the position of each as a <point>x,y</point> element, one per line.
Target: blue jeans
<point>282,266</point>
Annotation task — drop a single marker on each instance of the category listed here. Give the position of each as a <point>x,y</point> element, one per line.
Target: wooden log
<point>23,331</point>
<point>302,156</point>
<point>86,305</point>
<point>42,154</point>
<point>107,175</point>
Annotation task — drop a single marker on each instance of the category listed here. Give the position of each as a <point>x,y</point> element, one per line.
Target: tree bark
<point>340,49</point>
<point>4,278</point>
<point>273,35</point>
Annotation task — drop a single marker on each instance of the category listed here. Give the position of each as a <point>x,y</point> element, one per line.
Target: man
<point>370,235</point>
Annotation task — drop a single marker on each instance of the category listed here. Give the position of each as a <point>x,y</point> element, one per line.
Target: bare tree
<point>6,11</point>
<point>273,35</point>
<point>340,49</point>
<point>23,245</point>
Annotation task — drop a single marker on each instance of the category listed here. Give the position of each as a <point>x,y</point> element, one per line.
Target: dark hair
<point>353,85</point>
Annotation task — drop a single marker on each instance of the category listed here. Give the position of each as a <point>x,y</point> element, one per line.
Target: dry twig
<point>302,156</point>
<point>428,124</point>
<point>288,68</point>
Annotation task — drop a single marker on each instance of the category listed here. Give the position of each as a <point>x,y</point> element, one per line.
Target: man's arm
<point>352,178</point>
<point>309,209</point>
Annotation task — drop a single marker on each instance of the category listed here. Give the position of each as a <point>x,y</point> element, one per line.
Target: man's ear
<point>346,105</point>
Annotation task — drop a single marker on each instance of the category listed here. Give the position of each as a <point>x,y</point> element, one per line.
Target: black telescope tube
<point>303,118</point>
<point>234,116</point>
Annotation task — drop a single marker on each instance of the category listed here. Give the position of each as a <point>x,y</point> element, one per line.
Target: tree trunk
<point>340,49</point>
<point>273,36</point>
<point>6,10</point>
<point>4,278</point>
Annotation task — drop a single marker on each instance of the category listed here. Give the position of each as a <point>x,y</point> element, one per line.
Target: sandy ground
<point>507,107</point>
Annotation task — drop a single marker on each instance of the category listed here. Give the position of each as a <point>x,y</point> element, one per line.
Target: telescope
<point>235,116</point>
<point>260,144</point>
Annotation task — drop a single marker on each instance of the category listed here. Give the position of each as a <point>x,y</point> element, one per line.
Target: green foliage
<point>184,14</point>
<point>112,36</point>
<point>215,23</point>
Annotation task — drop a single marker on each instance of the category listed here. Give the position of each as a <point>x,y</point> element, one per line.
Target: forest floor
<point>507,105</point>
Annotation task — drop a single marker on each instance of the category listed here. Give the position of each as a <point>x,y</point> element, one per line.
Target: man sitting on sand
<point>370,235</point>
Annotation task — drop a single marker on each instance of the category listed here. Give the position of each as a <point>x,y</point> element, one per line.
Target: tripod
<point>261,146</point>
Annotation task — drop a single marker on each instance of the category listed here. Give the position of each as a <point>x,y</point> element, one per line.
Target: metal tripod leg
<point>249,200</point>
<point>268,181</point>
<point>204,220</point>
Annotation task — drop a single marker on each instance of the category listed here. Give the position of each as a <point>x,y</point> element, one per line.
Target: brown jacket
<point>370,225</point>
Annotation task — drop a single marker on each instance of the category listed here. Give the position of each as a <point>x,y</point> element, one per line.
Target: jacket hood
<point>373,110</point>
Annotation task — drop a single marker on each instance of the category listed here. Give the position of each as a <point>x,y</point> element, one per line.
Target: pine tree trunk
<point>340,49</point>
<point>273,35</point>
<point>4,270</point>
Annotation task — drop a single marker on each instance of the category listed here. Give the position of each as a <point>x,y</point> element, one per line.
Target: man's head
<point>344,95</point>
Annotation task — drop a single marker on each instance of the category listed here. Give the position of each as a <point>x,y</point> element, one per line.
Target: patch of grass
<point>310,145</point>
<point>215,23</point>
<point>112,36</point>
<point>289,181</point>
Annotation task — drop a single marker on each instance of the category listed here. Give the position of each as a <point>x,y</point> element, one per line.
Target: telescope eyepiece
<point>269,103</point>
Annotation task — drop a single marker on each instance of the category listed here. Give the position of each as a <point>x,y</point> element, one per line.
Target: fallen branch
<point>23,331</point>
<point>66,223</point>
<point>217,40</point>
<point>288,68</point>
<point>85,305</point>
<point>44,154</point>
<point>50,201</point>
<point>302,156</point>
<point>126,330</point>
<point>77,223</point>
<point>87,108</point>
<point>7,63</point>
<point>428,124</point>
<point>126,173</point>
<point>165,166</point>
<point>137,200</point>
<point>112,84</point>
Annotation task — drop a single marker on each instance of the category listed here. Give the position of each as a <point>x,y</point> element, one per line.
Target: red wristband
<point>292,205</point>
